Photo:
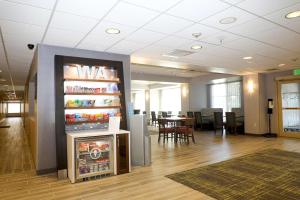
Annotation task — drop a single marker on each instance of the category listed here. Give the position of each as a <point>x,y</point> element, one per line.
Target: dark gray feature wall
<point>46,145</point>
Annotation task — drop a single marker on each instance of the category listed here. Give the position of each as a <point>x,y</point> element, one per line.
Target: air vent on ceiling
<point>178,53</point>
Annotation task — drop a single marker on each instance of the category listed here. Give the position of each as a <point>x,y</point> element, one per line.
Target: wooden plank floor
<point>14,150</point>
<point>143,182</point>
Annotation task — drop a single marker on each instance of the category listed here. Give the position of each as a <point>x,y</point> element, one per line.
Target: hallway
<point>15,155</point>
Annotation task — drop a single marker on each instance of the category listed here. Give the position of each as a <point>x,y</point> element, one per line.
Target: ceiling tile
<point>220,38</point>
<point>158,5</point>
<point>173,42</point>
<point>233,1</point>
<point>240,15</point>
<point>47,4</point>
<point>145,36</point>
<point>61,37</point>
<point>153,51</point>
<point>253,26</point>
<point>125,47</point>
<point>263,7</point>
<point>72,22</point>
<point>131,15</point>
<point>288,39</point>
<point>30,33</point>
<point>168,24</point>
<point>23,13</point>
<point>279,17</point>
<point>197,28</point>
<point>197,10</point>
<point>88,8</point>
<point>100,40</point>
<point>251,47</point>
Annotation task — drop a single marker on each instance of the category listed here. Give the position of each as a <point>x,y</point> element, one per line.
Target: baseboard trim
<point>255,135</point>
<point>46,171</point>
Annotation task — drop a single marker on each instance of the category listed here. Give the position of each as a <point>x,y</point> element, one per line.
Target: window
<point>171,100</point>
<point>226,96</point>
<point>13,108</point>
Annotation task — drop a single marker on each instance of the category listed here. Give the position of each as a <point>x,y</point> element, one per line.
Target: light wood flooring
<point>144,182</point>
<point>14,150</point>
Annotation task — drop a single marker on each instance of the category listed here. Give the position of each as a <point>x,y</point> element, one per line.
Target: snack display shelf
<point>95,107</point>
<point>86,121</point>
<point>93,80</point>
<point>101,94</point>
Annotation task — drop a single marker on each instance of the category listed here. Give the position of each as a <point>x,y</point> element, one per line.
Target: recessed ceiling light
<point>196,35</point>
<point>281,65</point>
<point>112,31</point>
<point>247,58</point>
<point>293,14</point>
<point>196,47</point>
<point>228,20</point>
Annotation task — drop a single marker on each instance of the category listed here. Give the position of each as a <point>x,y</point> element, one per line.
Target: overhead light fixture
<point>169,56</point>
<point>228,20</point>
<point>112,31</point>
<point>247,58</point>
<point>293,14</point>
<point>281,65</point>
<point>196,35</point>
<point>196,47</point>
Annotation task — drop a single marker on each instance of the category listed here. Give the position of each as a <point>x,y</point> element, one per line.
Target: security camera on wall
<point>30,46</point>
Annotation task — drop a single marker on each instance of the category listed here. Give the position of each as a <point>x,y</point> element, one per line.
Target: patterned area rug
<point>267,175</point>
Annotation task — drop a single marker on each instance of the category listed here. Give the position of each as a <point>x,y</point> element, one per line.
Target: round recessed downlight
<point>281,65</point>
<point>112,31</point>
<point>196,47</point>
<point>293,14</point>
<point>247,58</point>
<point>228,20</point>
<point>196,35</point>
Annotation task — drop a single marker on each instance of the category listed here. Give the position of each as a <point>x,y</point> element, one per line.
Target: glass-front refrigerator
<point>94,156</point>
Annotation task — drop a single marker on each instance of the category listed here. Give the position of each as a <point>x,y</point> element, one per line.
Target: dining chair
<point>187,130</point>
<point>218,122</point>
<point>153,118</point>
<point>164,114</point>
<point>231,123</point>
<point>136,112</point>
<point>198,120</point>
<point>190,114</point>
<point>164,130</point>
<point>169,113</point>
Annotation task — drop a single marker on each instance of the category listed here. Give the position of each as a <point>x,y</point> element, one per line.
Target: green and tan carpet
<point>267,175</point>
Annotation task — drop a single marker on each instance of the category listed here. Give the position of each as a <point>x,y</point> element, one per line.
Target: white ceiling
<point>152,28</point>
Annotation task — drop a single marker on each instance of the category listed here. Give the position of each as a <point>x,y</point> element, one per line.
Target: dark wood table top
<point>177,118</point>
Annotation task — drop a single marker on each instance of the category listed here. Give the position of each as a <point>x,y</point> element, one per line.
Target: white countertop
<point>88,133</point>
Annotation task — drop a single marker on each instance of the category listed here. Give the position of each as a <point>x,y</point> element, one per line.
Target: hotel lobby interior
<point>137,99</point>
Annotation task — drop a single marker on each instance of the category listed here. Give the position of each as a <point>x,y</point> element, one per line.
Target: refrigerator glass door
<point>94,156</point>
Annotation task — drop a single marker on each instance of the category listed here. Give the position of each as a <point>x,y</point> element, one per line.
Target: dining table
<point>175,122</point>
